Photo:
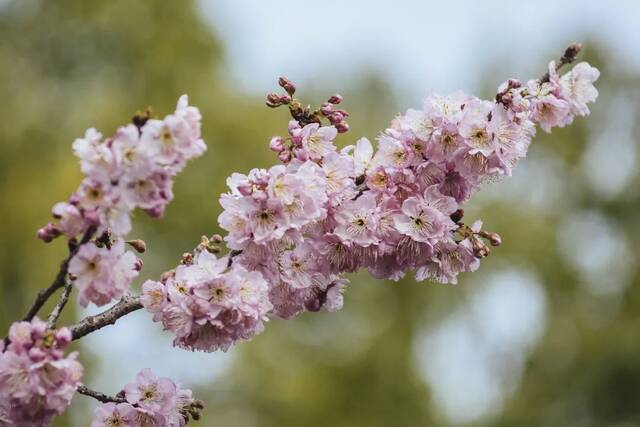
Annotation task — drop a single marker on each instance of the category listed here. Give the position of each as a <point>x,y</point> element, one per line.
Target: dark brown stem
<point>104,398</point>
<point>89,324</point>
<point>567,58</point>
<point>57,310</point>
<point>60,279</point>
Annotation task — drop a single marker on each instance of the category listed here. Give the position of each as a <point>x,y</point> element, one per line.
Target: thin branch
<point>89,324</point>
<point>57,310</point>
<point>104,398</point>
<point>60,278</point>
<point>567,58</point>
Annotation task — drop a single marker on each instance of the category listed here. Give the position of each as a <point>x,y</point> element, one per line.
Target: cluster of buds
<point>210,244</point>
<point>308,138</point>
<point>305,115</point>
<point>476,236</point>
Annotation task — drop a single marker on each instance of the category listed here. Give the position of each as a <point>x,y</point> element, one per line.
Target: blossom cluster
<point>208,304</point>
<point>37,381</point>
<point>132,169</point>
<point>299,226</point>
<point>103,273</point>
<point>149,401</point>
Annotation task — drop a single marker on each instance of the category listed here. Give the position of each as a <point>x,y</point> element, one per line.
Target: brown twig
<point>89,324</point>
<point>567,58</point>
<point>57,310</point>
<point>104,398</point>
<point>60,279</point>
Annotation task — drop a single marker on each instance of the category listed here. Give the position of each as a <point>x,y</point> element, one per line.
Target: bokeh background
<point>546,333</point>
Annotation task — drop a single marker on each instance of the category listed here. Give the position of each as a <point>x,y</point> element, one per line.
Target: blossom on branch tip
<point>103,274</point>
<point>132,169</point>
<point>37,381</point>
<point>150,401</point>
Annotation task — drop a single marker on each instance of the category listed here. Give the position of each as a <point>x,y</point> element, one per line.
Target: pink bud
<point>139,245</point>
<point>313,304</point>
<point>48,232</point>
<point>36,354</point>
<point>276,144</point>
<point>293,124</point>
<point>495,239</point>
<point>187,258</point>
<point>245,188</point>
<point>273,100</point>
<point>480,250</point>
<point>335,99</point>
<point>156,211</point>
<point>342,127</point>
<point>285,99</point>
<point>287,85</point>
<point>284,156</point>
<point>326,109</point>
<point>63,337</point>
<point>138,265</point>
<point>336,118</point>
<point>514,83</point>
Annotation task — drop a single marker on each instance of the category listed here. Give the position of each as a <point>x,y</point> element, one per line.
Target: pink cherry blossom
<point>37,381</point>
<point>103,274</point>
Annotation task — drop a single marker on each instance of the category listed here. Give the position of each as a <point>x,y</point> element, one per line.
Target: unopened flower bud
<point>156,211</point>
<point>457,216</point>
<point>326,109</point>
<point>245,188</point>
<point>342,127</point>
<point>216,238</point>
<point>273,100</point>
<point>335,99</point>
<point>514,83</point>
<point>276,144</point>
<point>296,138</point>
<point>506,98</point>
<point>139,245</point>
<point>293,125</point>
<point>335,118</point>
<point>480,250</point>
<point>284,156</point>
<point>187,258</point>
<point>138,265</point>
<point>285,99</point>
<point>493,238</point>
<point>287,85</point>
<point>167,275</point>
<point>313,304</point>
<point>48,232</point>
<point>572,51</point>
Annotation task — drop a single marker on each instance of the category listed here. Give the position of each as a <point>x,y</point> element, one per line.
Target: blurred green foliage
<point>70,64</point>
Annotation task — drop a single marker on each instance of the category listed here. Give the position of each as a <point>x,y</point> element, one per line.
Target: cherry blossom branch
<point>104,398</point>
<point>57,310</point>
<point>126,305</point>
<point>60,279</point>
<point>567,57</point>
